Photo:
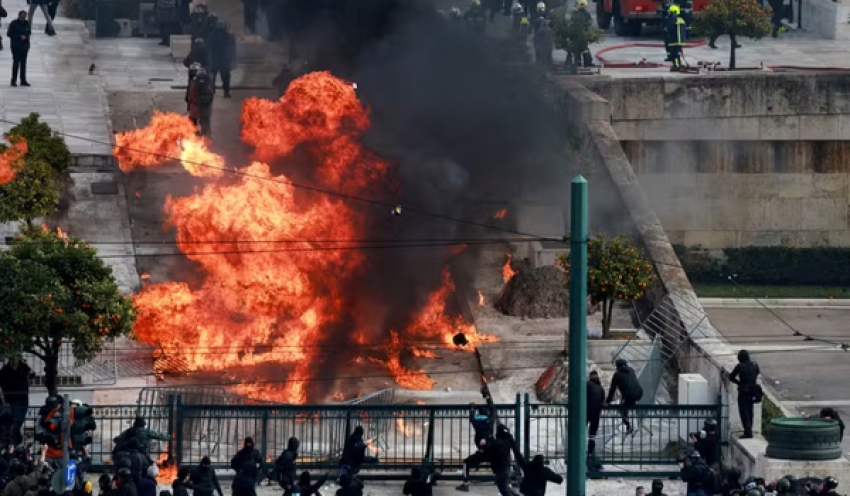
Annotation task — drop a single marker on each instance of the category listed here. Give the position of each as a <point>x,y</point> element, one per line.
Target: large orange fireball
<point>272,289</point>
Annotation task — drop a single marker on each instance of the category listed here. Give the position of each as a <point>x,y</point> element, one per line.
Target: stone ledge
<point>86,161</point>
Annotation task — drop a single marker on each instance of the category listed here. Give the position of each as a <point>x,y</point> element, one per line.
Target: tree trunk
<point>607,310</point>
<point>732,54</point>
<point>51,373</point>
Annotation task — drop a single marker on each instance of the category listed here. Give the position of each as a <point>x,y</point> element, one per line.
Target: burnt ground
<point>131,109</point>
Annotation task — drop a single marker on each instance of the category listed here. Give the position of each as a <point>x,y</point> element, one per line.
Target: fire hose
<point>643,64</point>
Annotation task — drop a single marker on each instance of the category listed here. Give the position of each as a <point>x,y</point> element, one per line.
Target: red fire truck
<point>629,16</point>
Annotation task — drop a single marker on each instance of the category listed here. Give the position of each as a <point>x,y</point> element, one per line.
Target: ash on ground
<point>536,293</point>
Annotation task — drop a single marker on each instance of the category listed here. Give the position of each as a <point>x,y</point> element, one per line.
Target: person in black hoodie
<point>499,454</point>
<point>418,484</point>
<point>535,474</point>
<point>745,375</point>
<point>19,39</point>
<point>349,485</point>
<point>626,382</point>
<point>146,486</point>
<point>595,399</point>
<point>124,484</point>
<point>247,455</point>
<point>244,484</point>
<point>657,488</point>
<point>285,464</point>
<point>204,479</point>
<point>830,414</point>
<point>306,488</point>
<point>181,484</point>
<point>354,452</point>
<point>482,420</point>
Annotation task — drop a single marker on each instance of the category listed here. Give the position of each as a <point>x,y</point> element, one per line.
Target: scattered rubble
<point>536,293</point>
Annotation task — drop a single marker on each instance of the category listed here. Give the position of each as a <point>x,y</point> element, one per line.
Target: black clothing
<point>831,413</point>
<point>535,475</point>
<point>745,375</point>
<point>19,37</point>
<point>499,454</point>
<point>354,453</point>
<point>304,488</point>
<point>222,49</point>
<point>695,473</point>
<point>482,424</point>
<point>626,382</point>
<point>595,398</point>
<point>708,447</point>
<point>127,488</point>
<point>179,488</point>
<point>146,487</point>
<point>205,482</point>
<point>285,464</point>
<point>244,484</point>
<point>225,81</point>
<point>246,455</point>
<point>474,461</point>
<point>200,55</point>
<point>349,486</point>
<point>418,486</point>
<point>15,382</point>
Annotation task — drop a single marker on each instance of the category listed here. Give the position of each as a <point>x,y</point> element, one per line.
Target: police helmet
<point>476,3</point>
<point>830,483</point>
<point>783,485</point>
<point>201,42</point>
<point>674,9</point>
<point>517,8</point>
<point>694,455</point>
<point>76,402</point>
<point>581,4</point>
<point>751,485</point>
<point>541,6</point>
<point>124,474</point>
<point>455,11</point>
<point>709,425</point>
<point>52,402</point>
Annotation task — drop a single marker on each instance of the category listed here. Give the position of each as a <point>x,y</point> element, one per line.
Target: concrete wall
<point>826,18</point>
<point>740,160</point>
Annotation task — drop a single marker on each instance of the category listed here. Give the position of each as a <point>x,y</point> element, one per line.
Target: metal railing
<point>400,436</point>
<point>659,439</point>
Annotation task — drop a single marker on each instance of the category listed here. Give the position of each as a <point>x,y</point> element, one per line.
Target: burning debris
<point>480,298</point>
<point>507,271</point>
<point>500,214</point>
<point>536,293</point>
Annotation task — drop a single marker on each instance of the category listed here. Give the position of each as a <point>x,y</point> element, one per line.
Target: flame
<point>167,471</point>
<point>144,276</point>
<point>424,353</point>
<point>338,396</point>
<point>507,271</point>
<point>407,430</point>
<point>9,158</point>
<point>138,194</point>
<point>259,302</point>
<point>500,214</point>
<point>480,298</point>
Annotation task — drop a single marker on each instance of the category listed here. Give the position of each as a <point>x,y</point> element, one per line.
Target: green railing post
<point>526,435</point>
<point>577,421</point>
<point>172,411</point>
<point>178,450</point>
<point>429,449</point>
<point>265,433</point>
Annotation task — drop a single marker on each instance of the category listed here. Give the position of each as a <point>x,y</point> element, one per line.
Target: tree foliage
<point>616,270</point>
<point>54,289</point>
<point>34,191</point>
<point>737,18</point>
<point>572,33</point>
<point>43,143</point>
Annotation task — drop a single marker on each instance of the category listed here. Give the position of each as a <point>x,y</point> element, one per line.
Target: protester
<point>123,484</point>
<point>418,484</point>
<point>595,399</point>
<point>535,474</point>
<point>168,18</point>
<point>15,375</point>
<point>204,479</point>
<point>307,488</point>
<point>181,484</point>
<point>745,375</point>
<point>349,485</point>
<point>354,452</point>
<point>104,486</point>
<point>285,468</point>
<point>245,482</point>
<point>147,482</point>
<point>657,488</point>
<point>626,382</point>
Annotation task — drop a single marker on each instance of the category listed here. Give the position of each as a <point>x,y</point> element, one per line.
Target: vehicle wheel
<point>603,19</point>
<point>620,24</point>
<point>634,27</point>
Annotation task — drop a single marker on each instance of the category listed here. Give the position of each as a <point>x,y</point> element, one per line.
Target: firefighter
<point>200,102</point>
<point>686,8</point>
<point>674,37</point>
<point>541,15</point>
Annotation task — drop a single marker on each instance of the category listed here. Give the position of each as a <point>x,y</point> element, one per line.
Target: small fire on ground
<point>500,214</point>
<point>480,298</point>
<point>167,471</point>
<point>507,271</point>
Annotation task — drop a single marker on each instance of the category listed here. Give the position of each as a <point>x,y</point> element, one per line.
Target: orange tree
<point>55,290</point>
<point>736,18</point>
<point>616,270</point>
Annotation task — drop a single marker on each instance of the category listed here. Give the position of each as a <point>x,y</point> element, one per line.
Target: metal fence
<point>659,439</point>
<point>400,436</point>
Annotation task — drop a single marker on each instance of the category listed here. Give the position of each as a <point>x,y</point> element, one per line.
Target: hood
<point>620,363</point>
<point>358,431</point>
<point>249,443</point>
<point>139,423</point>
<point>743,356</point>
<point>293,444</point>
<point>537,462</point>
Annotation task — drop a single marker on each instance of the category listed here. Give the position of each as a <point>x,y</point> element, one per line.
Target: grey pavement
<point>806,375</point>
